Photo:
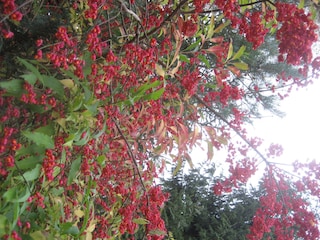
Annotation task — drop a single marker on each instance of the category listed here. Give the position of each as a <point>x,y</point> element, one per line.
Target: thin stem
<point>130,153</point>
<point>168,18</point>
<point>21,6</point>
<point>233,128</point>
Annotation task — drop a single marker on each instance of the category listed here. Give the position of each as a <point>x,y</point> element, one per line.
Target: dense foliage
<point>97,97</point>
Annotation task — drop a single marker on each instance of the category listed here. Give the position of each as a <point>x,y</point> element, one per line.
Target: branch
<point>134,15</point>
<point>174,12</point>
<point>21,6</point>
<point>130,153</point>
<point>233,128</point>
<point>218,10</point>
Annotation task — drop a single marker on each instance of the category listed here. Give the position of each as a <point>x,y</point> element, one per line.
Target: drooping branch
<point>233,128</point>
<point>136,167</point>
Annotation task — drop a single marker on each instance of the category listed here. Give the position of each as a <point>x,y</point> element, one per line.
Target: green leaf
<point>31,68</point>
<point>140,221</point>
<point>92,107</point>
<point>23,197</point>
<point>57,191</point>
<point>77,103</point>
<point>40,139</point>
<point>14,194</point>
<point>70,75</point>
<point>69,228</point>
<point>16,213</point>
<point>194,45</point>
<point>142,89</point>
<point>301,4</point>
<point>32,174</point>
<point>15,86</point>
<point>75,166</point>
<point>103,130</point>
<point>204,60</point>
<point>3,223</point>
<point>101,160</point>
<point>29,162</point>
<point>47,130</point>
<point>30,150</point>
<point>74,230</point>
<point>184,58</point>
<point>30,78</point>
<point>241,65</point>
<point>88,61</point>
<point>54,84</point>
<point>157,232</point>
<point>239,53</point>
<point>10,194</point>
<point>38,235</point>
<point>84,140</point>
<point>154,95</point>
<point>69,140</point>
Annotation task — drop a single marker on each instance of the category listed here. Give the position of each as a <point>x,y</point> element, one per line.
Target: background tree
<point>193,212</point>
<point>94,106</point>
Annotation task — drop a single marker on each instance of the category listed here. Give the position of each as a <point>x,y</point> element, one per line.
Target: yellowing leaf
<point>175,69</point>
<point>222,140</point>
<point>178,167</point>
<point>91,227</point>
<point>62,123</point>
<point>239,53</point>
<point>221,26</point>
<point>235,70</point>
<point>160,130</point>
<point>160,71</point>
<point>241,65</point>
<point>79,213</point>
<point>211,27</point>
<point>216,39</point>
<point>189,160</point>
<point>230,51</point>
<point>88,236</point>
<point>69,83</point>
<point>38,235</point>
<point>210,150</point>
<point>140,221</point>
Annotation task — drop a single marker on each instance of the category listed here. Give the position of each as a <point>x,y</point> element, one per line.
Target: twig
<point>130,153</point>
<point>233,128</point>
<point>21,6</point>
<point>134,15</point>
<point>174,12</point>
<point>24,179</point>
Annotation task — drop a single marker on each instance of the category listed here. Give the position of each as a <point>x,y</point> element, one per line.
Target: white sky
<point>299,131</point>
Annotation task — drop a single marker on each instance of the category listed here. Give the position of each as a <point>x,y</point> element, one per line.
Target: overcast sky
<point>299,131</point>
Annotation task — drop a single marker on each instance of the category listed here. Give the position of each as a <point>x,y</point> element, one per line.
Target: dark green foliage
<point>36,25</point>
<point>194,212</point>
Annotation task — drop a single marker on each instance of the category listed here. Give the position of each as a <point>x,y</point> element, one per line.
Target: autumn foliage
<point>104,94</point>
